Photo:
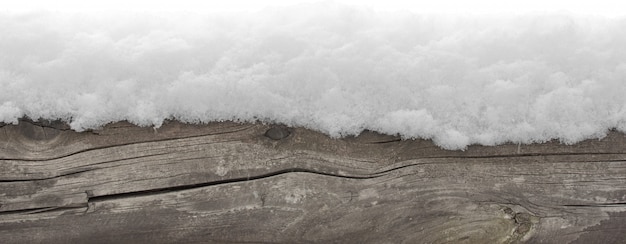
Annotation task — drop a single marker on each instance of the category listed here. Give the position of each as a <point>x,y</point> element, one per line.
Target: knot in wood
<point>277,133</point>
<point>38,130</point>
<point>521,218</point>
<point>509,212</point>
<point>523,228</point>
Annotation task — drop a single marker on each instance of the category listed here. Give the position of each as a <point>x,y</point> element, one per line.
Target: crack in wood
<point>157,191</point>
<point>597,205</point>
<point>44,209</point>
<point>127,144</point>
<point>83,170</point>
<point>525,155</point>
<point>51,124</point>
<point>48,178</point>
<point>386,141</point>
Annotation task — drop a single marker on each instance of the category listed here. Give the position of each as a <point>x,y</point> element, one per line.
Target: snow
<point>457,79</point>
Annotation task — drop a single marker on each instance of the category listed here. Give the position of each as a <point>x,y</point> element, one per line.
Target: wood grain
<point>253,183</point>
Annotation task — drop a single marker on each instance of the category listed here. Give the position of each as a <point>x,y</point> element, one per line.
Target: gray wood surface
<point>252,183</point>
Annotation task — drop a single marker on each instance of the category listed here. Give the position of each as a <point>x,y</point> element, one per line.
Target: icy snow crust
<point>457,80</point>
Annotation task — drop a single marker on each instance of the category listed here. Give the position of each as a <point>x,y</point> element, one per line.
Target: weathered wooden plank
<point>43,140</point>
<point>297,207</point>
<point>228,182</point>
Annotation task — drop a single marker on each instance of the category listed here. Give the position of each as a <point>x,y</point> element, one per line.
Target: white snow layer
<point>338,69</point>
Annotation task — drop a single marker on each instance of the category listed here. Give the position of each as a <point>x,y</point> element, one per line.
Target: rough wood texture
<point>232,183</point>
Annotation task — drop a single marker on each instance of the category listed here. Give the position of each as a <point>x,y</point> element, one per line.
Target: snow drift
<point>456,79</point>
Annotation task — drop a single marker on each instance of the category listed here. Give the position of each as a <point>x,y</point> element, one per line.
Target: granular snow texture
<point>338,69</point>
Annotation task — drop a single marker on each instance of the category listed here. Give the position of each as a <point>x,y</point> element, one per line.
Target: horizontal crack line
<point>227,181</point>
<point>124,144</point>
<point>522,155</point>
<point>597,205</point>
<point>45,209</point>
<point>164,190</point>
<point>83,169</point>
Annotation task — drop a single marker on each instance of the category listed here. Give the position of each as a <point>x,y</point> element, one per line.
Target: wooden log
<point>227,182</point>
